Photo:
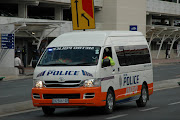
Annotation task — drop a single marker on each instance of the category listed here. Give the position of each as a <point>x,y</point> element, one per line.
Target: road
<point>163,105</point>
<point>166,72</point>
<point>15,91</point>
<point>20,90</point>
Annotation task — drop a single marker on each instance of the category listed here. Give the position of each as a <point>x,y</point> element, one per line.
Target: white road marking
<point>15,113</point>
<point>149,109</point>
<point>6,96</point>
<point>165,88</point>
<point>118,116</point>
<point>175,103</point>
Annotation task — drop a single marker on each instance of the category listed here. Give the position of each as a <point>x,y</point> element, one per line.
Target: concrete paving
<point>28,73</point>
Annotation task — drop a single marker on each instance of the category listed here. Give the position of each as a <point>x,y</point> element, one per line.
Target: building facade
<point>162,27</point>
<point>37,22</point>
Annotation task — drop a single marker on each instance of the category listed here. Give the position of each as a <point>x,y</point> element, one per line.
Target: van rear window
<point>132,55</point>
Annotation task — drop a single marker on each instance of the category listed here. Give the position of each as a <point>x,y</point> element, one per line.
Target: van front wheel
<point>48,110</point>
<point>141,102</point>
<point>109,102</point>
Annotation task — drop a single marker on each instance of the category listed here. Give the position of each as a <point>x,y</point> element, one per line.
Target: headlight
<point>38,84</point>
<point>92,83</point>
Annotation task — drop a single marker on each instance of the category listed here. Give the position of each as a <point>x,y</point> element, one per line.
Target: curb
<point>166,84</point>
<point>16,107</point>
<point>28,105</point>
<point>9,78</point>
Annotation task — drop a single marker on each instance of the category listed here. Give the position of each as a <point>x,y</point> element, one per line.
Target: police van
<point>72,72</point>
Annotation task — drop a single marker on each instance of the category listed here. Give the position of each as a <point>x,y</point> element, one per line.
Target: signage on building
<point>133,28</point>
<point>7,41</point>
<point>83,14</point>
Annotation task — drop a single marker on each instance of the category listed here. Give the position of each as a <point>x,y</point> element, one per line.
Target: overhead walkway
<point>160,34</point>
<point>45,28</point>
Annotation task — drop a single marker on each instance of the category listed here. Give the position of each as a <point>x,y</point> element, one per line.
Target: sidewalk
<point>28,73</point>
<point>29,70</point>
<point>166,61</point>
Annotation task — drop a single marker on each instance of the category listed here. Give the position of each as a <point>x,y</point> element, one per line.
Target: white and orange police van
<point>71,72</point>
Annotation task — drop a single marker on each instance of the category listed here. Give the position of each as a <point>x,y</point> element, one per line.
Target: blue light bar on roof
<point>50,49</point>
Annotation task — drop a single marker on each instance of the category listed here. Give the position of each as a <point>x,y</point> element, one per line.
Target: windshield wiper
<point>83,64</point>
<point>54,64</point>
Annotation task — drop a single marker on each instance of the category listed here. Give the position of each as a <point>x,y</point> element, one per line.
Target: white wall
<point>7,55</point>
<point>120,14</point>
<point>131,12</point>
<point>109,15</point>
<point>163,7</point>
<point>96,2</point>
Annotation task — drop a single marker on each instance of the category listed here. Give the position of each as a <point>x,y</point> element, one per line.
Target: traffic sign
<point>7,41</point>
<point>133,28</point>
<point>83,14</point>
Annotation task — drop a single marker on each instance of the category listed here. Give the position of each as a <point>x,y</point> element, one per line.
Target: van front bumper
<point>76,96</point>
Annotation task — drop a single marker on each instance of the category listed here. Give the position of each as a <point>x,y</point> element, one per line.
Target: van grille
<point>69,96</point>
<point>65,84</point>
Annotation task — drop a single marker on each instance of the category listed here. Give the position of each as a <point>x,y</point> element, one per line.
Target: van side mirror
<point>34,63</point>
<point>106,63</point>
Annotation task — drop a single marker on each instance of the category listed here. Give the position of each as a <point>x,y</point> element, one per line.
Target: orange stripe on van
<point>121,93</point>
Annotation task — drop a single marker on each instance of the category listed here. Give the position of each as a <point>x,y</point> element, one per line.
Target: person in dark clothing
<point>24,55</point>
<point>167,54</point>
<point>18,51</point>
<point>35,54</point>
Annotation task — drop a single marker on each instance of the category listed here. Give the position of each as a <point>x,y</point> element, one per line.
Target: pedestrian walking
<point>24,55</point>
<point>167,53</point>
<point>18,64</point>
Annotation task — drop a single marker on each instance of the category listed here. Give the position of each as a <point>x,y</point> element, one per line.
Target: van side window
<point>132,55</point>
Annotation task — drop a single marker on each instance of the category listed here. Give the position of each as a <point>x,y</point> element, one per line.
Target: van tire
<point>110,102</point>
<point>48,110</point>
<point>141,102</point>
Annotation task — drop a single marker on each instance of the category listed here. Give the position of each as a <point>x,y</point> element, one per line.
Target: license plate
<point>59,100</point>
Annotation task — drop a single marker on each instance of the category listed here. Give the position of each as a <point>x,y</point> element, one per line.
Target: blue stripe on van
<point>127,99</point>
<point>107,78</point>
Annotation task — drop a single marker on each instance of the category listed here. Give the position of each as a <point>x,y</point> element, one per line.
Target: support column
<point>178,51</point>
<point>174,39</point>
<point>22,10</point>
<point>149,20</point>
<point>153,36</point>
<point>44,35</point>
<point>151,39</point>
<point>58,13</point>
<point>160,46</point>
<point>171,20</point>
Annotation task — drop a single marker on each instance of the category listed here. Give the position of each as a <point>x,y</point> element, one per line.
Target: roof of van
<point>108,33</point>
<point>89,38</point>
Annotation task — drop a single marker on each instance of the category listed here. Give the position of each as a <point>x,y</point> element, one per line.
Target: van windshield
<point>70,56</point>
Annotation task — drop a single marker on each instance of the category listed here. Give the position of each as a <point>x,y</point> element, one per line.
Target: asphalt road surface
<point>163,105</point>
<point>166,72</point>
<point>20,90</point>
<point>15,91</point>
